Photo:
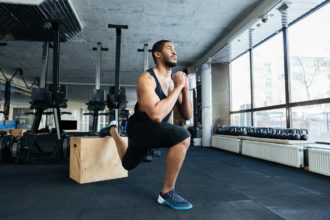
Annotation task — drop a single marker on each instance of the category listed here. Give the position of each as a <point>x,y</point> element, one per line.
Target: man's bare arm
<point>184,104</point>
<point>150,103</point>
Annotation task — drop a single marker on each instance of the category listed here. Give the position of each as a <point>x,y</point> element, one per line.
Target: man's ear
<point>157,54</point>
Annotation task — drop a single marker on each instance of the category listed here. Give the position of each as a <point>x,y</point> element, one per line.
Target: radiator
<point>291,155</point>
<point>226,143</point>
<point>319,161</point>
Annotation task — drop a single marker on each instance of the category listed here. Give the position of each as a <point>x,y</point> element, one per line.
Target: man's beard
<point>169,63</point>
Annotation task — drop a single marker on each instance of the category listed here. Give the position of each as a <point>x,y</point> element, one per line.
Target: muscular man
<point>157,93</point>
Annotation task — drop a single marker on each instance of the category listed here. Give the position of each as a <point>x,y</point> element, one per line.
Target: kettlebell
<point>296,135</point>
<point>304,134</point>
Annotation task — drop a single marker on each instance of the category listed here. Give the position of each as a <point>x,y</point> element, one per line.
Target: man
<point>158,92</point>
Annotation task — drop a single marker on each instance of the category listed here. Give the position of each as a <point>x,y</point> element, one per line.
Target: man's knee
<point>128,166</point>
<point>186,143</point>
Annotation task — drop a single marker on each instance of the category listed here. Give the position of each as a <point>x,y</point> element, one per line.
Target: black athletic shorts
<point>146,135</point>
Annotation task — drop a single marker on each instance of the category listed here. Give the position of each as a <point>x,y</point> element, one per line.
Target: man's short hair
<point>158,46</point>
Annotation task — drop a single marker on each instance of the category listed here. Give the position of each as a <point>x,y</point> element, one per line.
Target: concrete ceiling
<point>194,26</point>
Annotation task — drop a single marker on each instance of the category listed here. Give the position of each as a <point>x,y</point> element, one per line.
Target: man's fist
<point>180,79</point>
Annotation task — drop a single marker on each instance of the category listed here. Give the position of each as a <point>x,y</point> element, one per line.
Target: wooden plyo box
<point>94,159</point>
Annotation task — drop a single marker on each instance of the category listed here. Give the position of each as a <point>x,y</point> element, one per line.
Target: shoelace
<point>175,197</point>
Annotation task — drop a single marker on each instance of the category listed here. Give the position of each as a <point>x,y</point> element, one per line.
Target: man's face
<point>169,55</point>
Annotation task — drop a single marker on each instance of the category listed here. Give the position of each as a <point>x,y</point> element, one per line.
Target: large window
<point>270,118</point>
<point>268,73</point>
<point>241,119</point>
<point>240,83</point>
<point>315,118</point>
<point>309,43</point>
<point>309,79</point>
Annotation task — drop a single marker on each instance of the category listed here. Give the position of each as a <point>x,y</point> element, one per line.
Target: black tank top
<point>142,116</point>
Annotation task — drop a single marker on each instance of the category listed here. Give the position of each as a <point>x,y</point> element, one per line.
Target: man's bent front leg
<point>175,157</point>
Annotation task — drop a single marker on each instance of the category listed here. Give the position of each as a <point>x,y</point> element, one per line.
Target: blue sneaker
<point>106,130</point>
<point>173,200</point>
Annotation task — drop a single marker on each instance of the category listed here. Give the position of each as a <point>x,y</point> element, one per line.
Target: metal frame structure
<point>117,63</point>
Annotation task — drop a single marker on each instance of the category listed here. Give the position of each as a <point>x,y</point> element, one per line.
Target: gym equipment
<point>41,22</point>
<point>43,98</point>
<point>96,99</point>
<point>64,124</point>
<point>249,131</point>
<point>270,132</point>
<point>9,148</point>
<point>277,133</point>
<point>2,136</point>
<point>94,159</point>
<point>219,129</point>
<point>145,51</point>
<point>8,90</point>
<point>244,131</point>
<point>119,101</point>
<point>304,134</point>
<point>6,106</point>
<point>263,132</point>
<point>115,98</point>
<point>284,134</point>
<point>293,134</point>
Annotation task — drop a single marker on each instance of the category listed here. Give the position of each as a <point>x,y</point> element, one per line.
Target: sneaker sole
<point>161,201</point>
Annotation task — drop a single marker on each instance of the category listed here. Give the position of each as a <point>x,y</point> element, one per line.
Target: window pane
<point>270,118</point>
<point>315,118</point>
<point>240,83</point>
<point>268,73</point>
<point>309,43</point>
<point>241,119</point>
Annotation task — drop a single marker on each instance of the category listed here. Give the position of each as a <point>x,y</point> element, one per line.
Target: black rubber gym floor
<point>221,185</point>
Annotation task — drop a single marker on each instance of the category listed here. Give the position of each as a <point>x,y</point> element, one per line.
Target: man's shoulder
<point>145,77</point>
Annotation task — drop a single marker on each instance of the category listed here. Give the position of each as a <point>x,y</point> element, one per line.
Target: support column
<point>283,9</point>
<point>251,75</point>
<point>206,105</point>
